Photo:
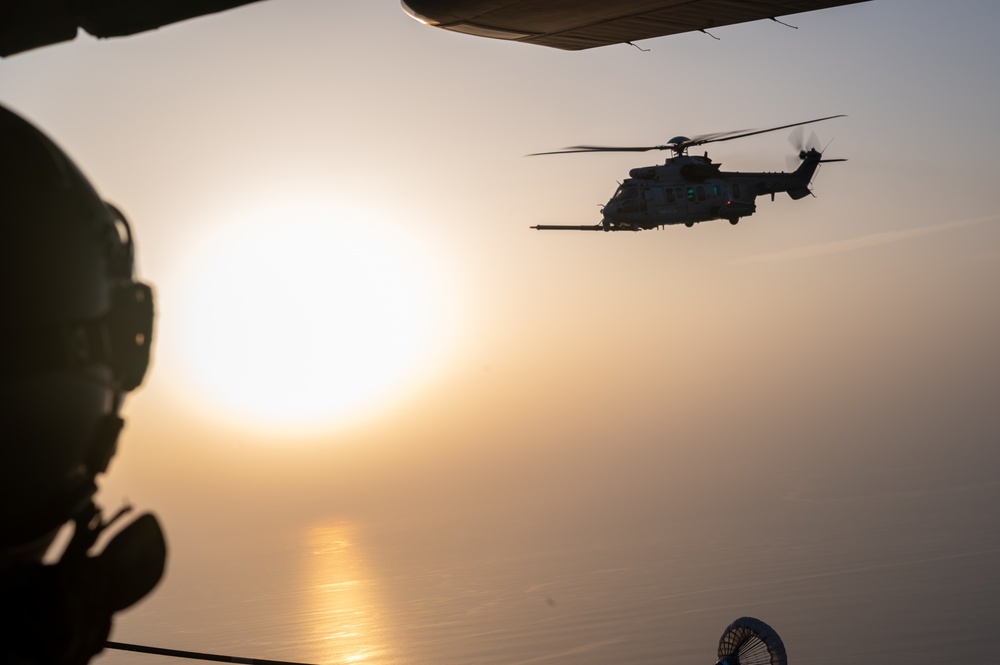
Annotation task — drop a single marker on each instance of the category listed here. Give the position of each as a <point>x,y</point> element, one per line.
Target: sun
<point>299,318</point>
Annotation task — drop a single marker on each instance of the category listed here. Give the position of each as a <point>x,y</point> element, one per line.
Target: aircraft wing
<point>28,24</point>
<point>573,25</point>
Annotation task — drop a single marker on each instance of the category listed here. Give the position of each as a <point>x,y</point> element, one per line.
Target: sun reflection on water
<point>342,605</point>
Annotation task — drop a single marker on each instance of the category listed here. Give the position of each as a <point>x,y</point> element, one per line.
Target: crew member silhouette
<point>75,334</point>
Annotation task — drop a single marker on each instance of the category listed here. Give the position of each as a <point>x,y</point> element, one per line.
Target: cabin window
<point>670,195</point>
<point>736,190</point>
<point>690,193</point>
<point>701,193</point>
<point>715,191</point>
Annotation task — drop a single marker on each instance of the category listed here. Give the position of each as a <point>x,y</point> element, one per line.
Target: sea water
<point>898,576</point>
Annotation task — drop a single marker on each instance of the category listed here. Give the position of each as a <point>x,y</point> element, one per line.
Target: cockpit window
<point>626,193</point>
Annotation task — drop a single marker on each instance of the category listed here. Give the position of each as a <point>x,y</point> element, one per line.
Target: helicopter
<point>688,189</point>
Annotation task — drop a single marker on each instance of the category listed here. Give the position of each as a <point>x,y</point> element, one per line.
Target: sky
<point>355,320</point>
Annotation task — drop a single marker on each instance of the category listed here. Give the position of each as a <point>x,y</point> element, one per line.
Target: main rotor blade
<point>700,141</point>
<point>599,148</point>
<point>701,138</point>
<point>708,138</point>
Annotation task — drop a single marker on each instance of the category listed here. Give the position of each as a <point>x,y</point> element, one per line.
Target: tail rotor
<point>802,147</point>
<point>810,149</point>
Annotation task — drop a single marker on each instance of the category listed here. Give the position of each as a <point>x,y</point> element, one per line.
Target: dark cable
<point>195,655</point>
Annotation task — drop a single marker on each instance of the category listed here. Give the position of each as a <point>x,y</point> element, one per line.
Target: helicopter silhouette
<point>688,189</point>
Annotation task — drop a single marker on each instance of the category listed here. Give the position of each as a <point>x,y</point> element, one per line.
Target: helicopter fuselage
<point>690,189</point>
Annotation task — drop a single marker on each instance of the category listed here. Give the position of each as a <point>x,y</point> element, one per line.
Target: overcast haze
<point>822,378</point>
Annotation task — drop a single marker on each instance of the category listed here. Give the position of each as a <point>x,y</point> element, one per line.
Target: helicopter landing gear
<point>734,220</point>
<point>689,224</point>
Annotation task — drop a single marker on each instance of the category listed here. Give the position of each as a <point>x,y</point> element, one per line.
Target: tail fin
<point>804,174</point>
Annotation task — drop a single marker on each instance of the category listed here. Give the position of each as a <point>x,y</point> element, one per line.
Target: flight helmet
<point>75,333</point>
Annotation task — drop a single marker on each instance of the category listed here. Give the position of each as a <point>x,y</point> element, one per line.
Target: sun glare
<point>307,318</point>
